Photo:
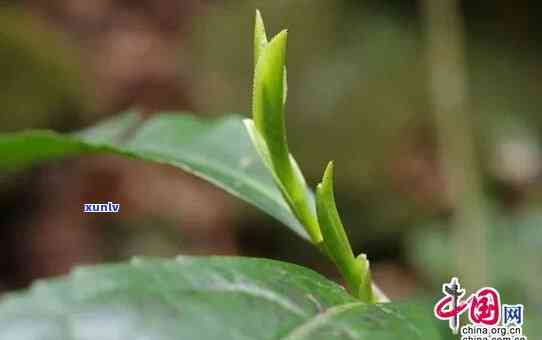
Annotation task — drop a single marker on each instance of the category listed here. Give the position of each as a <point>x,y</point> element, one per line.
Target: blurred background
<point>430,109</point>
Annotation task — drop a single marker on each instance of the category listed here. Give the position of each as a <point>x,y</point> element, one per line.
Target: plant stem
<point>448,89</point>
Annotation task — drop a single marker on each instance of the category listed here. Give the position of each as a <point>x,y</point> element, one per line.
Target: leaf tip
<point>281,38</point>
<point>260,37</point>
<point>328,173</point>
<point>259,19</point>
<point>363,258</point>
<point>259,25</point>
<point>327,179</point>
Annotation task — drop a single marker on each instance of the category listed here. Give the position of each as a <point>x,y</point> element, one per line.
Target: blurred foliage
<point>514,259</point>
<point>514,255</point>
<point>40,79</point>
<point>359,85</point>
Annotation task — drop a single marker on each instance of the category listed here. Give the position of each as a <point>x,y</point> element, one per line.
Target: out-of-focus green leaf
<point>218,151</point>
<point>203,298</point>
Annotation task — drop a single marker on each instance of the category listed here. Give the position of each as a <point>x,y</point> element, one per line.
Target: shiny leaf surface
<point>203,298</point>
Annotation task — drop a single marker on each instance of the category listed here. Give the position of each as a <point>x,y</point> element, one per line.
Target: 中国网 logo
<point>489,319</point>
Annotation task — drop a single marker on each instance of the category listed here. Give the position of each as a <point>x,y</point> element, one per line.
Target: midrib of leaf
<point>303,330</point>
<point>401,317</point>
<point>225,286</point>
<point>203,162</point>
<point>81,283</point>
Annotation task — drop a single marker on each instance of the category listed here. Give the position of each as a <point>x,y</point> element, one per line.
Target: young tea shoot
<point>267,129</point>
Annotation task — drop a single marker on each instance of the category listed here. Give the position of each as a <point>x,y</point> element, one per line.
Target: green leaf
<point>260,37</point>
<point>367,290</point>
<point>260,43</point>
<point>332,229</point>
<point>268,107</point>
<point>355,271</point>
<point>285,86</point>
<point>218,151</point>
<point>203,298</point>
<point>269,131</point>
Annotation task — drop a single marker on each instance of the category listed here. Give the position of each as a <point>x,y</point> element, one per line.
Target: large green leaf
<point>218,151</point>
<point>203,298</point>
